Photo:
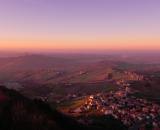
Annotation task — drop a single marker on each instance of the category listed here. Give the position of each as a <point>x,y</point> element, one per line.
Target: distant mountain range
<point>69,68</point>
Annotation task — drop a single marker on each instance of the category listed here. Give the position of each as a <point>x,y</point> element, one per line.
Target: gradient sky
<point>79,25</point>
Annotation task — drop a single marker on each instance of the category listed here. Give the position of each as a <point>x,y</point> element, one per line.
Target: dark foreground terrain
<point>20,113</point>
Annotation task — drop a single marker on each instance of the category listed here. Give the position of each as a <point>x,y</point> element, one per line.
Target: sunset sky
<point>33,25</point>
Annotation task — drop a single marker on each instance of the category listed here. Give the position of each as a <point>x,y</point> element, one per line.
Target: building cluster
<point>128,78</point>
<point>133,112</point>
<point>133,76</point>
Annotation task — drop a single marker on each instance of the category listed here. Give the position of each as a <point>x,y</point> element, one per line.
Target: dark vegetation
<point>148,89</point>
<point>20,113</point>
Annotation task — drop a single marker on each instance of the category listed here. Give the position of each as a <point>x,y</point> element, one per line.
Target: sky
<point>70,25</point>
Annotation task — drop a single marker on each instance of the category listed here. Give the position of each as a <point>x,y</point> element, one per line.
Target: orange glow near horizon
<point>48,25</point>
<point>77,43</point>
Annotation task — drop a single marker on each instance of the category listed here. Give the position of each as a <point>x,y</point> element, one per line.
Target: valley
<point>89,88</point>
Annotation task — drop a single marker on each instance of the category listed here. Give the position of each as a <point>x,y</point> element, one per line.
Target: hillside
<point>20,113</point>
<point>44,69</point>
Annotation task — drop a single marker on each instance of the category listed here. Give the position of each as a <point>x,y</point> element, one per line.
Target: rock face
<point>20,113</point>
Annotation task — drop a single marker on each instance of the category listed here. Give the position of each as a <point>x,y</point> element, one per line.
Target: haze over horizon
<point>79,25</point>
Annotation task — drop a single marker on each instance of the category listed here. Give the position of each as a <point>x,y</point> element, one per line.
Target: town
<point>135,113</point>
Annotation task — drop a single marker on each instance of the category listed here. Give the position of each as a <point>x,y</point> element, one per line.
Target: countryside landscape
<point>79,65</point>
<point>87,88</point>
